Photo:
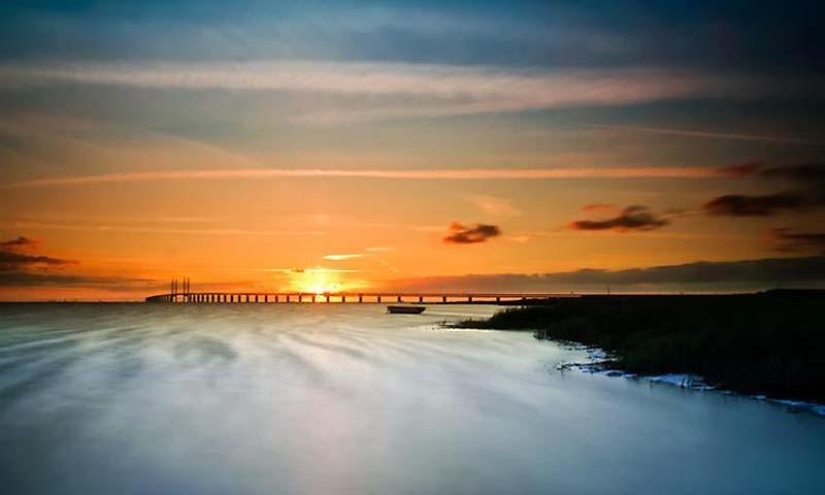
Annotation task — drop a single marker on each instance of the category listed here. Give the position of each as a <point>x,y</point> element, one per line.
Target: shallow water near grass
<point>138,398</point>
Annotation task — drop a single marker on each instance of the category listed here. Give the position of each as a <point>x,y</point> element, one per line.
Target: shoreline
<point>768,346</point>
<point>599,361</point>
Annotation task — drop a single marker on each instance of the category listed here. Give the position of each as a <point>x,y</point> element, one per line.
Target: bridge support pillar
<point>399,299</point>
<point>327,297</point>
<point>469,298</point>
<point>360,298</point>
<point>420,299</point>
<point>444,299</point>
<point>343,299</point>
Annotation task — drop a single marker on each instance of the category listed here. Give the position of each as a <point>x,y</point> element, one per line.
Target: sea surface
<point>327,399</point>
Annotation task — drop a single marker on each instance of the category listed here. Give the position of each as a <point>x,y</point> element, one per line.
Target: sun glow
<point>321,281</point>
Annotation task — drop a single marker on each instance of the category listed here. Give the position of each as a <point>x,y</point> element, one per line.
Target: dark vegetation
<point>770,343</point>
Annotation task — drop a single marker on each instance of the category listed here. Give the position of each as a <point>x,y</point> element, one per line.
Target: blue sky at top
<point>732,36</point>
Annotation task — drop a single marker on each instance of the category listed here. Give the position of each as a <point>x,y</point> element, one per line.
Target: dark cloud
<point>11,260</point>
<point>800,173</point>
<point>788,241</point>
<point>19,244</point>
<point>739,205</point>
<point>16,261</point>
<point>21,267</point>
<point>634,217</point>
<point>743,275</point>
<point>471,234</point>
<point>118,284</point>
<point>808,193</point>
<point>742,169</point>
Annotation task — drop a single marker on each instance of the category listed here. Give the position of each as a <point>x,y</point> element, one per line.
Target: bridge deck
<point>348,297</point>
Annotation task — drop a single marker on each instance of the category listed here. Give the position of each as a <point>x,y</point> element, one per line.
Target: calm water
<point>331,399</point>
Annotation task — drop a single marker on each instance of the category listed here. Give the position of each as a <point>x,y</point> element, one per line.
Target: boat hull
<point>406,310</point>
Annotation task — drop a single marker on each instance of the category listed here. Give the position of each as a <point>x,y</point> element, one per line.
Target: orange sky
<point>353,154</point>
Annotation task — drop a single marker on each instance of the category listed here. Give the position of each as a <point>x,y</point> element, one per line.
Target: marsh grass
<point>769,343</point>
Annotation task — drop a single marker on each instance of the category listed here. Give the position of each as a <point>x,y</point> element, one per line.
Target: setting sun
<point>320,281</point>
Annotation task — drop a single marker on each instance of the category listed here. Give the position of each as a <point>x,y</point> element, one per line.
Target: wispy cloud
<point>420,174</point>
<point>316,269</point>
<point>599,207</point>
<point>161,230</point>
<point>500,207</point>
<point>342,257</point>
<point>711,134</point>
<point>792,241</point>
<point>454,89</point>
<point>702,275</point>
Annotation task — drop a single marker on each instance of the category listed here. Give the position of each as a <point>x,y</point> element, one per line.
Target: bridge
<point>348,297</point>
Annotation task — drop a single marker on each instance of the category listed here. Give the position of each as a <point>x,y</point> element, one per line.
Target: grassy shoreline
<point>769,343</point>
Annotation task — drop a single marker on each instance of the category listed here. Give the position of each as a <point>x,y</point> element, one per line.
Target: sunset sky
<point>511,146</point>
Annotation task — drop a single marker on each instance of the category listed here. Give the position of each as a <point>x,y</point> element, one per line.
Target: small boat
<point>405,310</point>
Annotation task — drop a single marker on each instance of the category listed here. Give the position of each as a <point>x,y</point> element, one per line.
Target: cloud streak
<point>703,275</point>
<point>492,205</point>
<point>739,205</point>
<point>458,89</point>
<point>342,257</point>
<point>711,134</point>
<point>230,232</point>
<point>420,174</point>
<point>19,244</point>
<point>790,241</point>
